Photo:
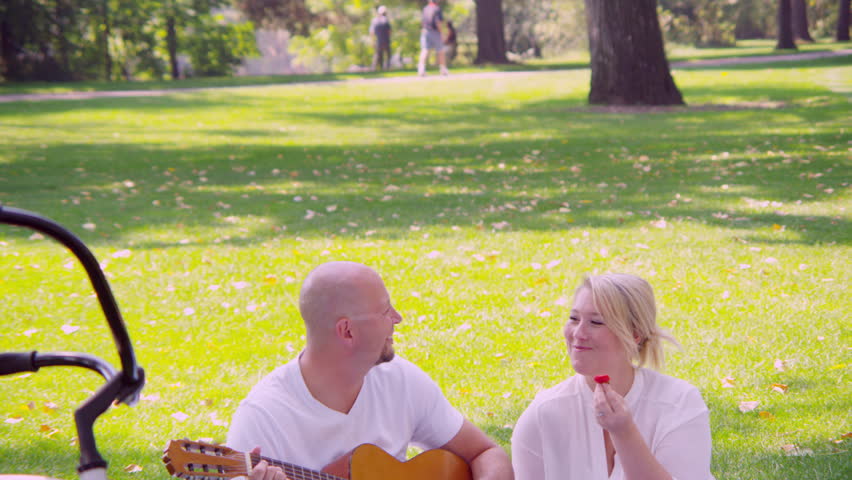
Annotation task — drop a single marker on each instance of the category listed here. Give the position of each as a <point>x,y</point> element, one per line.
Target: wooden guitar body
<point>369,462</point>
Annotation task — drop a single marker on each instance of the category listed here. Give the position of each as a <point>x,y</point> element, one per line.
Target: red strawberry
<point>602,378</point>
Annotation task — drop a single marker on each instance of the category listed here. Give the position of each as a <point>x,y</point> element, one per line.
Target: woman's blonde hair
<point>627,305</point>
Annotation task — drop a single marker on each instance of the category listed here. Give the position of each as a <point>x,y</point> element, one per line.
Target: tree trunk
<point>10,68</point>
<point>490,35</point>
<point>105,40</point>
<point>64,17</point>
<point>785,26</point>
<point>171,44</point>
<point>842,34</point>
<point>629,65</point>
<point>800,20</point>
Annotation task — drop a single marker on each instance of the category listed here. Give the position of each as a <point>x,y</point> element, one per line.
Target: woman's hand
<point>611,410</point>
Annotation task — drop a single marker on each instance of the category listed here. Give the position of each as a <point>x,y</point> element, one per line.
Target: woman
<point>639,423</point>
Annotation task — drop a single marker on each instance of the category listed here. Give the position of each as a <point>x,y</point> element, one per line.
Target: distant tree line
<point>62,40</point>
<point>720,23</point>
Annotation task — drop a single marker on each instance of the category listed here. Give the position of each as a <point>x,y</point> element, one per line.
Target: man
<point>430,37</point>
<point>347,388</point>
<point>381,29</point>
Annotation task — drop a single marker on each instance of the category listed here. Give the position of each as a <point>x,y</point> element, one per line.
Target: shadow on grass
<point>717,168</point>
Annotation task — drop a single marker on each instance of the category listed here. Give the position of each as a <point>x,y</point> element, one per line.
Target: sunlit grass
<point>482,201</point>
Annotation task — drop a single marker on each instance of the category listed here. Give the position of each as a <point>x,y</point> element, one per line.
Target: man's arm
<point>487,460</point>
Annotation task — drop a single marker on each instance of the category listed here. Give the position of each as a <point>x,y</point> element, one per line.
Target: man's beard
<point>386,355</point>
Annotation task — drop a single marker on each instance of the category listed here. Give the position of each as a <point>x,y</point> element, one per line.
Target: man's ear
<point>343,329</point>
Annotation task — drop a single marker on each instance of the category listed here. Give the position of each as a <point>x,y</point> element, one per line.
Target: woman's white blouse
<point>558,438</point>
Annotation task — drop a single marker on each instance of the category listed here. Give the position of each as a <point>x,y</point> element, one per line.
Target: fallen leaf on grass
<point>767,416</point>
<point>793,450</point>
<point>748,406</point>
<point>48,430</point>
<point>180,416</point>
<point>728,382</point>
<point>133,468</point>
<point>14,419</point>
<point>462,328</point>
<point>69,329</point>
<point>779,387</point>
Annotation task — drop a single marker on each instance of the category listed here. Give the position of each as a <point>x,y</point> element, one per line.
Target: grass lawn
<point>482,202</point>
<point>573,60</point>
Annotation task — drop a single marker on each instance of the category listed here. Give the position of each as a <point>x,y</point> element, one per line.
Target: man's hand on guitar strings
<point>262,471</point>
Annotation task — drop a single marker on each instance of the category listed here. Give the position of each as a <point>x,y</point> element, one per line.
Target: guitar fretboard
<point>295,472</point>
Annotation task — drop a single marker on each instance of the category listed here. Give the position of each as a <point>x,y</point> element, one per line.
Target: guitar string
<point>300,473</point>
<point>294,472</point>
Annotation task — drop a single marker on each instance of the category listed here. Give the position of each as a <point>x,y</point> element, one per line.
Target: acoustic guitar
<point>203,461</point>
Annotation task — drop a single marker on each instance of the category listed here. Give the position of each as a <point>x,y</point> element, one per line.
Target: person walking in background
<point>380,28</point>
<point>450,43</point>
<point>430,38</point>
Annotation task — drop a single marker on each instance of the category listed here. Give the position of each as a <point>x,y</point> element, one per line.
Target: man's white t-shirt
<point>399,405</point>
<point>557,436</point>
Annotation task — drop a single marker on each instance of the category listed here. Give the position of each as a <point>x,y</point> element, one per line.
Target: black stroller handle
<point>123,386</point>
<point>16,362</point>
<point>14,216</point>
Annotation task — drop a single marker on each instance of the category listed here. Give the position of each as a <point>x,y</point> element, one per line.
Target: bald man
<point>347,388</point>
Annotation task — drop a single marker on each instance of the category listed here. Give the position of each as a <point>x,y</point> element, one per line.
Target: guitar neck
<point>294,472</point>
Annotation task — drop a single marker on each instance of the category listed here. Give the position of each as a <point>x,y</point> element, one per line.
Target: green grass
<point>482,201</point>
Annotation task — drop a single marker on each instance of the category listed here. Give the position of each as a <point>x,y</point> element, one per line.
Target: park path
<point>158,93</point>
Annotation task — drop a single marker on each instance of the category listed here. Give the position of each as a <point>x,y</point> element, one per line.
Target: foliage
<point>721,23</point>
<point>544,27</point>
<point>61,40</point>
<point>216,46</point>
<point>705,23</point>
<point>292,15</point>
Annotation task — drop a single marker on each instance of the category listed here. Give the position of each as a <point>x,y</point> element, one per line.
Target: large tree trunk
<point>785,26</point>
<point>842,34</point>
<point>10,68</point>
<point>629,65</point>
<point>800,21</point>
<point>490,36</point>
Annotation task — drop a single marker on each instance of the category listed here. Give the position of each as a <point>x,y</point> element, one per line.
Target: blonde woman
<point>632,422</point>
